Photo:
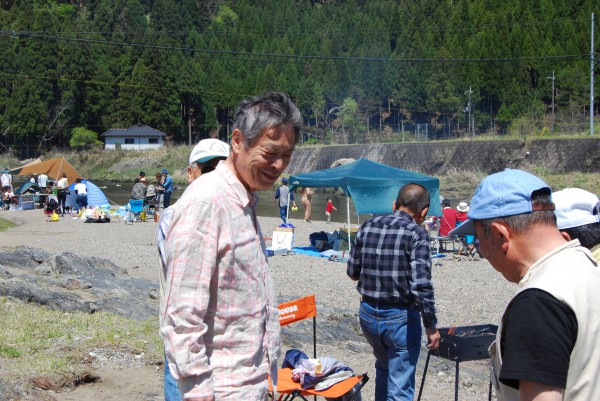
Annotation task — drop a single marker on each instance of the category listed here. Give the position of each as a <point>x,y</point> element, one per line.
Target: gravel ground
<point>468,292</point>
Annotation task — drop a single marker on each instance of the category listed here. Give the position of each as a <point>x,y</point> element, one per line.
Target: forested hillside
<point>361,71</point>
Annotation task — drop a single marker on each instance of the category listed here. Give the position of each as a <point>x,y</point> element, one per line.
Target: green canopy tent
<point>372,186</point>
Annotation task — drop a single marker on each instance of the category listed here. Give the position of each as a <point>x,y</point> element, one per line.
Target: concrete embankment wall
<point>437,158</point>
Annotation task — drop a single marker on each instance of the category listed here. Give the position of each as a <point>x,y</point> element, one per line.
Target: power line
<point>287,32</point>
<point>19,34</point>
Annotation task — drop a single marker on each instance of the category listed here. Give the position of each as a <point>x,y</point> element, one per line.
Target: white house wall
<point>140,143</point>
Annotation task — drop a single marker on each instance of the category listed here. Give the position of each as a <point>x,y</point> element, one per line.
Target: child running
<point>328,209</point>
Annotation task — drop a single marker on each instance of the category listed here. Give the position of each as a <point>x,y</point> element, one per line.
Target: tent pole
<point>349,230</point>
<point>287,208</point>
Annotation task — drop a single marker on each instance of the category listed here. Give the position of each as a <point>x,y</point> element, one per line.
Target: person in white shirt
<point>62,186</point>
<point>6,180</point>
<point>42,181</point>
<point>81,191</point>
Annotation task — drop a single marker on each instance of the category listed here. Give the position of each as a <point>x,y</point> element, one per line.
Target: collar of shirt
<point>403,215</point>
<point>246,198</point>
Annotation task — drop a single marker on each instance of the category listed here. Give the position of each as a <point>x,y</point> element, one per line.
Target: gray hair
<point>254,115</point>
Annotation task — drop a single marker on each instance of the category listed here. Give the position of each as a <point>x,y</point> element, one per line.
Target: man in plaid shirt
<point>391,261</point>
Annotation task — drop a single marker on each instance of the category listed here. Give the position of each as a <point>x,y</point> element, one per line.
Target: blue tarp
<point>95,195</point>
<point>372,186</point>
<point>28,186</point>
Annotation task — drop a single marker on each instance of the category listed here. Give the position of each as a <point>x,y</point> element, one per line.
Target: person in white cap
<point>461,217</point>
<point>547,343</point>
<point>578,217</point>
<point>203,159</point>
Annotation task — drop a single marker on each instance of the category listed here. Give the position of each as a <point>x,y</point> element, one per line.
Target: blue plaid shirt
<point>391,260</point>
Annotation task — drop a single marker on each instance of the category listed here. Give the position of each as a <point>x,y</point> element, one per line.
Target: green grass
<point>5,225</point>
<point>44,342</point>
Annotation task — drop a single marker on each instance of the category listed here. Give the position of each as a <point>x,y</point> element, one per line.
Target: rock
<point>84,284</point>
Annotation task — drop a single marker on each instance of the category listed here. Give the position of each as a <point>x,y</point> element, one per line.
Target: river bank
<point>460,165</point>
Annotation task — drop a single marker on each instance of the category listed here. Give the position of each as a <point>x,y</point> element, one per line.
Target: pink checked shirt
<point>220,319</point>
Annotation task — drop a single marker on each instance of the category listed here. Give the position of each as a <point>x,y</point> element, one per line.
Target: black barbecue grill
<point>460,344</point>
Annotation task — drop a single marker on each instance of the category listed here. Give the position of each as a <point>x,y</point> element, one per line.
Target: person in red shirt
<point>448,219</point>
<point>328,209</point>
<point>461,217</point>
<point>462,209</point>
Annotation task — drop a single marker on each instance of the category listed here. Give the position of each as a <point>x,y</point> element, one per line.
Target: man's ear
<point>237,140</point>
<point>190,175</point>
<point>394,206</point>
<point>424,212</point>
<point>566,236</point>
<point>501,232</point>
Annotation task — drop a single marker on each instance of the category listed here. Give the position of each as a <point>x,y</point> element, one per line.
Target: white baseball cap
<point>575,207</point>
<point>208,149</point>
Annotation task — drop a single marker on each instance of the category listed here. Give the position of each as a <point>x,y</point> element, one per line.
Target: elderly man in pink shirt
<point>220,319</point>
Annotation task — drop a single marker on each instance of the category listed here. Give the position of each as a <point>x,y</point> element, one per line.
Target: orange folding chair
<point>293,311</point>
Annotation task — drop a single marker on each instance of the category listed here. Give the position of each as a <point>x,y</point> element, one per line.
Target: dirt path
<point>127,384</point>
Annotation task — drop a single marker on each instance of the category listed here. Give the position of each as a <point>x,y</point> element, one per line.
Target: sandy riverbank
<point>467,293</point>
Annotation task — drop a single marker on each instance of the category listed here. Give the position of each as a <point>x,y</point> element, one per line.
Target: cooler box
<point>26,202</point>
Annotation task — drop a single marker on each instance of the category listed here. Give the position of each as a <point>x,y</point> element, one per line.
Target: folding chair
<point>438,242</point>
<point>293,311</point>
<point>136,206</point>
<point>463,243</point>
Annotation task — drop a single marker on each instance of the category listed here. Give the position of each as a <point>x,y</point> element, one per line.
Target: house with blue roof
<point>137,137</point>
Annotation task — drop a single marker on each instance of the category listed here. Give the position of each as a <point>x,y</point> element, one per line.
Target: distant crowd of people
<point>157,192</point>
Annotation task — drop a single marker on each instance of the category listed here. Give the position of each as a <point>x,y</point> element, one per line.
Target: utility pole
<point>592,82</point>
<point>471,123</point>
<point>553,120</point>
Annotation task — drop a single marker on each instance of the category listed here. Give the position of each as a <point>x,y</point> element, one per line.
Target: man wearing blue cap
<point>167,188</point>
<point>546,346</point>
<point>284,195</point>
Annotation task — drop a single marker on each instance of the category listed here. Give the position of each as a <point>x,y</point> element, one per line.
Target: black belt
<point>383,302</point>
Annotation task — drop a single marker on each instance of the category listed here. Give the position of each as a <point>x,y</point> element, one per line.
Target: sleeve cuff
<point>429,321</point>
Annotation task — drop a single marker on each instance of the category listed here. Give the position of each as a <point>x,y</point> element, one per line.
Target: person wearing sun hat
<point>546,345</point>
<point>461,217</point>
<point>462,209</point>
<point>578,216</point>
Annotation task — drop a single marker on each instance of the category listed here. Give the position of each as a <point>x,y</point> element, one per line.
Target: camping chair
<point>293,311</point>
<point>463,243</point>
<point>136,207</point>
<point>437,242</point>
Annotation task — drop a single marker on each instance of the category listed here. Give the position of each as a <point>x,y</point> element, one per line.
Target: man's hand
<point>433,338</point>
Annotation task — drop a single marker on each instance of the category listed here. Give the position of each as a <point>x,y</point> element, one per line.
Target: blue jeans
<point>283,213</point>
<point>171,390</point>
<point>167,200</point>
<point>395,335</point>
<point>81,201</point>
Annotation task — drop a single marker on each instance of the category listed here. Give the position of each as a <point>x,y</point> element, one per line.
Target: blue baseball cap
<point>502,194</point>
<point>164,171</point>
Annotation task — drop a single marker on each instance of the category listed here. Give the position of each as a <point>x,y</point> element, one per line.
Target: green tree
<point>84,138</point>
